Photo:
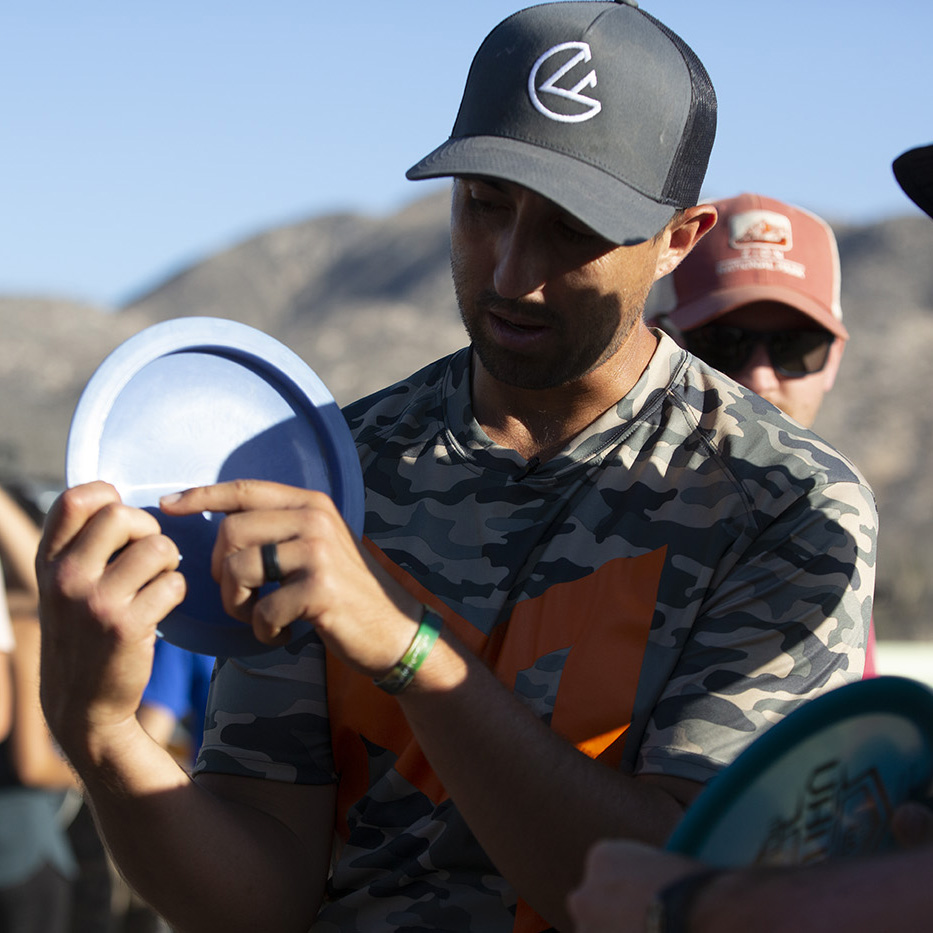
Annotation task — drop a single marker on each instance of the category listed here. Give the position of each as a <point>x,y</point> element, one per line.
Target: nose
<point>521,260</point>
<point>758,374</point>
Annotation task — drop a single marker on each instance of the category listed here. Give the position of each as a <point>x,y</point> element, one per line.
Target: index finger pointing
<point>238,496</point>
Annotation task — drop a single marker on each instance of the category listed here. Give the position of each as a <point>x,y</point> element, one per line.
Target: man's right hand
<point>107,577</point>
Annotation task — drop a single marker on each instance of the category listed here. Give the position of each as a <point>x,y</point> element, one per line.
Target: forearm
<point>38,763</point>
<point>35,756</point>
<point>6,695</point>
<point>19,541</point>
<point>885,892</point>
<point>226,853</point>
<point>535,803</point>
<point>204,862</point>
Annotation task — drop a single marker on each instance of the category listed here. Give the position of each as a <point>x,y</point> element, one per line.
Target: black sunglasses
<point>793,353</point>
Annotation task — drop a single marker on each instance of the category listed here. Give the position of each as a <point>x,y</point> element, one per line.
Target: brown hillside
<point>366,300</point>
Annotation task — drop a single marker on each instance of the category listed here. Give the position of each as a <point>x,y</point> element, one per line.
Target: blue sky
<point>136,138</point>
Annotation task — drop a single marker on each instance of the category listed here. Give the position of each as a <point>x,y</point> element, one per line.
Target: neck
<point>538,423</point>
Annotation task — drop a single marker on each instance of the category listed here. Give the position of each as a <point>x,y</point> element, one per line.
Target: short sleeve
<point>267,717</point>
<point>788,622</point>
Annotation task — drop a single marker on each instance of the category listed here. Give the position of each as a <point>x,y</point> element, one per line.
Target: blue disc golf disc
<point>821,783</point>
<point>200,400</point>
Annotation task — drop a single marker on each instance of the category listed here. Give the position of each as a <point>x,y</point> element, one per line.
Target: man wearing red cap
<point>758,298</point>
<point>629,887</point>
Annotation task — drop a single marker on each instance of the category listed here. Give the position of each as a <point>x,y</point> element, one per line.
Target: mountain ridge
<point>366,300</point>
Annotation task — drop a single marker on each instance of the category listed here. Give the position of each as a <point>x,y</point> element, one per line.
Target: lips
<point>520,324</point>
<point>516,333</point>
<point>522,315</point>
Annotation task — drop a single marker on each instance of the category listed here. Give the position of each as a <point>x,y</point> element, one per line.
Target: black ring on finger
<point>271,568</point>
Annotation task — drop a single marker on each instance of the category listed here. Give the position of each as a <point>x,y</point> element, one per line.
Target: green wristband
<point>404,672</point>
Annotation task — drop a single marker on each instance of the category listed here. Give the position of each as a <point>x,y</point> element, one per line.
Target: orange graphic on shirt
<point>601,620</point>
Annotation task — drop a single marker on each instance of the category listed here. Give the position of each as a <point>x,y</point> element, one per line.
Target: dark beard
<point>582,356</point>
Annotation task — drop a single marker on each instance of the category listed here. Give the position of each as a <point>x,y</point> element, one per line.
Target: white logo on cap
<point>590,105</point>
<point>760,228</point>
<point>762,238</point>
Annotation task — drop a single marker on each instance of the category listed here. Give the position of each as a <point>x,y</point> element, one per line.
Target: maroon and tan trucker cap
<point>760,250</point>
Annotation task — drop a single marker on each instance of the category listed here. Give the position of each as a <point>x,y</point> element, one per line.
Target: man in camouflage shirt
<point>638,564</point>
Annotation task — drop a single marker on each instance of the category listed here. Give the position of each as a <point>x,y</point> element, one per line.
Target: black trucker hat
<point>597,106</point>
<point>914,173</point>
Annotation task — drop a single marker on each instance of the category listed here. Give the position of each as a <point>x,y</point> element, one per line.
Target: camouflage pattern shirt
<point>691,568</point>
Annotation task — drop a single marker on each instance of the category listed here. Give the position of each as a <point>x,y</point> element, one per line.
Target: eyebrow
<point>497,183</point>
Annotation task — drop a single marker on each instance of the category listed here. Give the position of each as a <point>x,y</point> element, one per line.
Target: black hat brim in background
<point>914,173</point>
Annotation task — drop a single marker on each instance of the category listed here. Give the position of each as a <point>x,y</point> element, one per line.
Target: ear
<point>687,228</point>
<point>832,363</point>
